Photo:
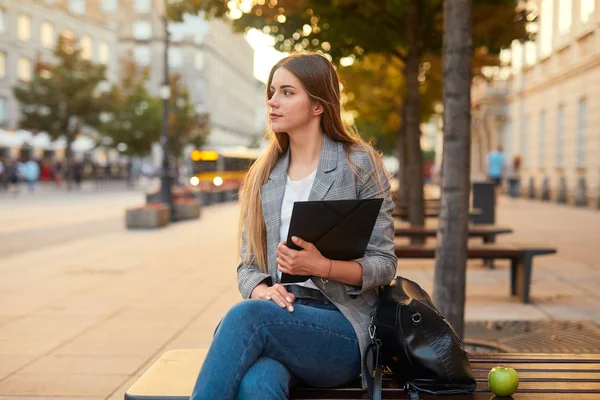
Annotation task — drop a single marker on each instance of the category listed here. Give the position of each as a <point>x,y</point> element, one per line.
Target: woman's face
<point>290,107</point>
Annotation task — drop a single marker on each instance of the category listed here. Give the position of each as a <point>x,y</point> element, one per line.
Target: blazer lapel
<point>272,197</point>
<point>327,163</point>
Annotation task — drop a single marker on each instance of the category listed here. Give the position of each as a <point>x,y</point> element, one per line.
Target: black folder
<point>340,229</point>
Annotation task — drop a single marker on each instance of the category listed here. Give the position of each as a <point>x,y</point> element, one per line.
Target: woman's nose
<point>273,102</point>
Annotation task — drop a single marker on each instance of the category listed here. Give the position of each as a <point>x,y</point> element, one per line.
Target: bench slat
<point>543,376</point>
<point>490,250</point>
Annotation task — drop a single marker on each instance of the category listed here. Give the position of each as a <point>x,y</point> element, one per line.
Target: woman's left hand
<point>306,262</point>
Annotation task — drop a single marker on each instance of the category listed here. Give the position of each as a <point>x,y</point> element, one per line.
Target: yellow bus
<point>216,170</point>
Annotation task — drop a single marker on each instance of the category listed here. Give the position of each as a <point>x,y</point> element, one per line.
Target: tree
<point>187,126</point>
<point>132,115</point>
<point>406,29</point>
<point>62,97</point>
<point>374,91</point>
<point>451,254</point>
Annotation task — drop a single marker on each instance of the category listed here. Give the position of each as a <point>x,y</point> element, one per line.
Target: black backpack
<point>411,338</point>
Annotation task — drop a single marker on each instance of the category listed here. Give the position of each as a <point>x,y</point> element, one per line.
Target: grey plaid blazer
<point>334,180</point>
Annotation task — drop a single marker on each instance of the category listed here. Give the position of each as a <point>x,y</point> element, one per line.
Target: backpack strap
<point>375,371</point>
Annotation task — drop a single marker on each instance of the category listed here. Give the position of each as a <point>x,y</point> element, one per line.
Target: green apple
<point>503,381</point>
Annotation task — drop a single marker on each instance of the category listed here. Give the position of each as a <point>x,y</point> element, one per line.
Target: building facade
<point>29,30</point>
<point>547,108</point>
<point>215,63</point>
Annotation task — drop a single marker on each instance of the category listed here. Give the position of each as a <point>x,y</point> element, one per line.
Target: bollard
<point>531,190</point>
<point>562,190</point>
<point>581,199</point>
<point>545,189</point>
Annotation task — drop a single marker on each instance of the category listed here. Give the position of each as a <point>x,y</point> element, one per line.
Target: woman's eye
<point>287,92</point>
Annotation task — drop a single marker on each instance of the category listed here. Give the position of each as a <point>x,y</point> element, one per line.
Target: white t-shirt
<point>294,191</point>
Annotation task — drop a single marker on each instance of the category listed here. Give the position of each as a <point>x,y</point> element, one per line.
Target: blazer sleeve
<point>249,274</point>
<point>379,262</point>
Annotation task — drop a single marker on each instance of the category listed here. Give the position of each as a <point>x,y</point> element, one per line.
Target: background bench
<point>521,258</point>
<point>486,232</point>
<point>542,376</point>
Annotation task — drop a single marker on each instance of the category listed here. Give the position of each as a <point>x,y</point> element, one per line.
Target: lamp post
<point>166,196</point>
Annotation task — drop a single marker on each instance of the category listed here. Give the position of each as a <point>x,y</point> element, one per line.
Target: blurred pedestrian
<point>31,173</point>
<point>496,165</point>
<point>14,176</point>
<point>514,177</point>
<point>3,176</point>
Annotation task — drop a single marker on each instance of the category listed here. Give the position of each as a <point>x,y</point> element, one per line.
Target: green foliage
<point>186,125</point>
<point>61,98</point>
<point>132,115</point>
<point>359,29</point>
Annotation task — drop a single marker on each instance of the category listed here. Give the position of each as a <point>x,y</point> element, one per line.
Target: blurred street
<point>86,306</point>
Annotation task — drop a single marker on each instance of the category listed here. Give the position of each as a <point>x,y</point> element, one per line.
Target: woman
<point>315,331</point>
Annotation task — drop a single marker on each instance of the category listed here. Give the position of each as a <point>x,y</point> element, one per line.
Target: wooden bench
<point>430,213</point>
<point>541,376</point>
<point>486,232</point>
<point>521,258</point>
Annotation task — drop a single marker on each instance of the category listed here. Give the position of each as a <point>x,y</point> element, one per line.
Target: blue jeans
<point>261,350</point>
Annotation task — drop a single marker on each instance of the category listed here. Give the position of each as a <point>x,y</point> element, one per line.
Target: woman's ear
<point>317,109</point>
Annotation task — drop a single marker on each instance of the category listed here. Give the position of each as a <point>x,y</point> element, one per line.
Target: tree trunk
<point>412,130</point>
<point>402,194</point>
<point>450,263</point>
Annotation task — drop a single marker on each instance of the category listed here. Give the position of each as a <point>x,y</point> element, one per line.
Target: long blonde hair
<point>320,80</point>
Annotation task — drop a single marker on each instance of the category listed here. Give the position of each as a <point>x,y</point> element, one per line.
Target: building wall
<point>61,19</point>
<point>216,63</point>
<point>543,108</point>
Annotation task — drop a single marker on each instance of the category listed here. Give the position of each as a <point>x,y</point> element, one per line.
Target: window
<point>565,16</point>
<point>586,9</point>
<point>560,126</point>
<point>2,64</point>
<point>2,20</point>
<point>524,139</point>
<point>3,110</point>
<point>103,52</point>
<point>199,60</point>
<point>86,47</point>
<point>142,55</point>
<point>581,128</point>
<point>507,138</point>
<point>542,140</point>
<point>142,6</point>
<point>530,53</point>
<point>546,18</point>
<point>77,6</point>
<point>24,69</point>
<point>517,55</point>
<point>68,39</point>
<point>142,30</point>
<point>109,6</point>
<point>175,57</point>
<point>47,34</point>
<point>24,27</point>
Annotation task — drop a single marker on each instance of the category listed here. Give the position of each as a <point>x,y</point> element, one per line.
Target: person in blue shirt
<point>496,164</point>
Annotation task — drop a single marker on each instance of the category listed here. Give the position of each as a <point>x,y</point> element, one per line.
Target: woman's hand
<point>309,261</point>
<point>275,293</point>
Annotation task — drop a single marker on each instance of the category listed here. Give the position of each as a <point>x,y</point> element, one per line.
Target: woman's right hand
<point>275,293</point>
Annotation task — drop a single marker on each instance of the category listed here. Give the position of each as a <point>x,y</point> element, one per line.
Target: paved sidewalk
<point>83,318</point>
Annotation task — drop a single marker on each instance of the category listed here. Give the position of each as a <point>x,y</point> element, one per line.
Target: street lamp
<point>166,196</point>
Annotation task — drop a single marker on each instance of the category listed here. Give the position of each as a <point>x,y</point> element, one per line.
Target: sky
<point>265,56</point>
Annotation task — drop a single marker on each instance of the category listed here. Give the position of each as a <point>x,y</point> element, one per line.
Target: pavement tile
<point>115,348</point>
<point>73,365</point>
<point>9,364</point>
<point>56,384</point>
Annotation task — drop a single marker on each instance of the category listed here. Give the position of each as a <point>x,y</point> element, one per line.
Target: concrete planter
<point>187,209</point>
<point>148,217</point>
